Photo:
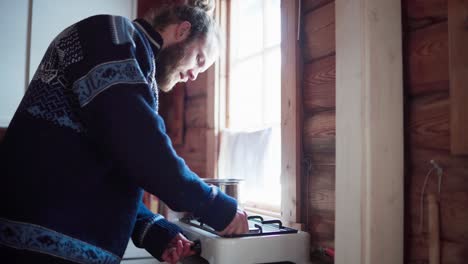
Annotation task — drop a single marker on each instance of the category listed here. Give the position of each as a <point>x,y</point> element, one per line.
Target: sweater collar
<point>153,36</point>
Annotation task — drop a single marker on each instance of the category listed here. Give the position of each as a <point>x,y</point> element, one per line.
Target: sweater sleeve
<point>118,108</point>
<point>153,232</point>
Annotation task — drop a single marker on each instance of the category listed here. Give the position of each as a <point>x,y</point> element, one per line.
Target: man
<point>87,139</point>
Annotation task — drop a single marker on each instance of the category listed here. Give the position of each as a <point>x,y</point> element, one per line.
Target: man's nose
<point>193,74</point>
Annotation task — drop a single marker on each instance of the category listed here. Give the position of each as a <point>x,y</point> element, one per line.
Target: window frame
<point>290,109</point>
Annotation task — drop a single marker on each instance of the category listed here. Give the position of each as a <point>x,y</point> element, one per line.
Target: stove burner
<point>257,227</point>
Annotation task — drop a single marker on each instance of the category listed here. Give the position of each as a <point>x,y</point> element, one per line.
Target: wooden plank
<point>194,150</point>
<point>195,144</point>
<point>319,85</point>
<point>429,121</point>
<point>320,158</point>
<point>433,228</point>
<point>212,122</point>
<point>198,87</point>
<point>369,132</point>
<point>455,177</point>
<point>321,188</point>
<point>319,132</point>
<point>454,190</point>
<point>172,108</point>
<point>310,5</point>
<point>195,112</point>
<point>216,88</point>
<point>290,114</point>
<point>458,43</point>
<point>453,214</point>
<point>319,33</point>
<point>422,13</point>
<point>425,8</point>
<point>321,228</point>
<point>2,133</point>
<point>428,61</point>
<point>451,252</point>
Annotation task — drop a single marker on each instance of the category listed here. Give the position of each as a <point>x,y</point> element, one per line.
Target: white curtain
<point>246,156</point>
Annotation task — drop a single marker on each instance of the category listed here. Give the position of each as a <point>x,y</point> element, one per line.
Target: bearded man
<point>87,139</point>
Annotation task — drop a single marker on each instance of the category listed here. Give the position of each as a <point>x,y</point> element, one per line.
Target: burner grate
<point>257,227</point>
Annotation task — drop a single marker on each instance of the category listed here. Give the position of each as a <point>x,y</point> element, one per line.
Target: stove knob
<point>196,247</point>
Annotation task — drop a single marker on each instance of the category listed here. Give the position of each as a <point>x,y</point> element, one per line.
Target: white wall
<point>50,17</point>
<point>13,50</point>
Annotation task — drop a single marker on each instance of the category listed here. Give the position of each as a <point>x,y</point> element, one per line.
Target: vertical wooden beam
<point>369,132</point>
<point>290,113</point>
<point>458,65</point>
<point>216,92</point>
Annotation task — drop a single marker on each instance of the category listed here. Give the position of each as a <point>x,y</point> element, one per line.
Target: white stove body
<point>250,250</point>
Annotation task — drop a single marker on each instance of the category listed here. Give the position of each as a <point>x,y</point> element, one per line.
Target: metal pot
<point>228,186</point>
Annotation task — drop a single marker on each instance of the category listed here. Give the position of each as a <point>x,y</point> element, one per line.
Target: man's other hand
<point>177,249</point>
<point>238,225</point>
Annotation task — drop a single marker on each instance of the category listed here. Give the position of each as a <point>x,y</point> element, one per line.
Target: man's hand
<point>238,225</point>
<point>177,249</point>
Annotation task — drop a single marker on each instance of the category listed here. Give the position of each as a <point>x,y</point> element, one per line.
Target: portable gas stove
<point>266,242</point>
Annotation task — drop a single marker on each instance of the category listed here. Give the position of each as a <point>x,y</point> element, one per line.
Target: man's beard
<point>167,63</point>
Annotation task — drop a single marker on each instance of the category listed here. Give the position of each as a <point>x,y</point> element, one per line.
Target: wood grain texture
<point>321,205</point>
<point>319,85</point>
<point>321,228</point>
<point>425,8</point>
<point>321,158</point>
<point>319,33</point>
<point>433,228</point>
<point>369,133</point>
<point>455,178</point>
<point>422,13</point>
<point>2,133</point>
<point>195,112</point>
<point>451,252</point>
<point>319,133</point>
<point>321,186</point>
<point>454,185</point>
<point>198,87</point>
<point>458,57</point>
<point>310,5</point>
<point>194,150</point>
<point>291,101</point>
<point>453,214</point>
<point>429,134</point>
<point>427,54</point>
<point>172,108</point>
<point>429,121</point>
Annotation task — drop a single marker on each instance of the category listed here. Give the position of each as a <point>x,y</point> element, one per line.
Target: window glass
<point>250,146</point>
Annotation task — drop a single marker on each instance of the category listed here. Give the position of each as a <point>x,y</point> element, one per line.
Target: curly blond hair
<point>207,5</point>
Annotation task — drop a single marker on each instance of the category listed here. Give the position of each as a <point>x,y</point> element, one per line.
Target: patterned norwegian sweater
<point>84,143</point>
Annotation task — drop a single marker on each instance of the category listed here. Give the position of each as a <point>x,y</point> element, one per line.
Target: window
<point>252,101</point>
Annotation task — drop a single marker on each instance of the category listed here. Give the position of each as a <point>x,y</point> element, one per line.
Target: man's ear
<point>183,31</point>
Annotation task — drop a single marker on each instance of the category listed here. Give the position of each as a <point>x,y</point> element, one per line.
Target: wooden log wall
<point>2,133</point>
<point>427,135</point>
<point>318,88</point>
<point>193,147</point>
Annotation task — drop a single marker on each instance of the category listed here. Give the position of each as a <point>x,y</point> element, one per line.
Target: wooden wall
<point>427,128</point>
<point>318,88</point>
<point>2,133</point>
<point>427,134</point>
<point>193,146</point>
